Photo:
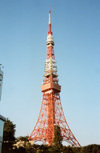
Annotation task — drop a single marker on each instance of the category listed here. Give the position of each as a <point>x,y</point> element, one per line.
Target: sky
<point>76,31</point>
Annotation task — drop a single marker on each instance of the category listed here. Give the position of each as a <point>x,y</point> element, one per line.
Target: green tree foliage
<point>57,137</point>
<point>67,149</point>
<point>57,141</point>
<point>90,149</point>
<point>9,140</point>
<point>9,131</point>
<point>8,137</point>
<point>25,138</point>
<point>40,151</point>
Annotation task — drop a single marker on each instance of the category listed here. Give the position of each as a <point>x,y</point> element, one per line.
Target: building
<point>1,80</point>
<point>2,119</point>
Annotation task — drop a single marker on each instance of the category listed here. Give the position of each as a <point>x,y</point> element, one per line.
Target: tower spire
<point>49,16</point>
<point>49,30</point>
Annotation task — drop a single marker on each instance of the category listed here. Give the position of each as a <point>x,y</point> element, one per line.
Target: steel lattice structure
<point>51,112</point>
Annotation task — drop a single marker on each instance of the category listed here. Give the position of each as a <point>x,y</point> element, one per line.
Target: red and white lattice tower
<point>51,112</point>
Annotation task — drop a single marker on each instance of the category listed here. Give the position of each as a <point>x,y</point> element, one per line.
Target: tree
<point>39,151</point>
<point>57,137</point>
<point>9,131</point>
<point>22,138</point>
<point>8,137</point>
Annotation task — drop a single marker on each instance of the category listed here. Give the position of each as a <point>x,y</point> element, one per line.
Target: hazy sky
<point>76,31</point>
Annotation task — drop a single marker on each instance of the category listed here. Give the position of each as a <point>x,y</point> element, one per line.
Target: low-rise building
<point>2,120</point>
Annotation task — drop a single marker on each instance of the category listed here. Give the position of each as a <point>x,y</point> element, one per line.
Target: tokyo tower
<point>51,112</point>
